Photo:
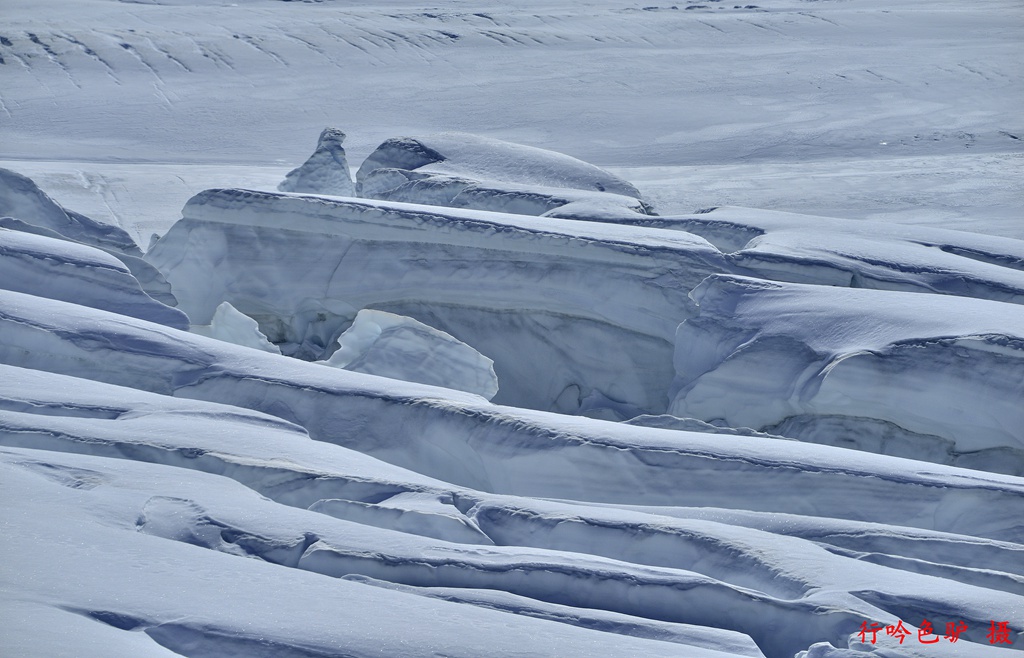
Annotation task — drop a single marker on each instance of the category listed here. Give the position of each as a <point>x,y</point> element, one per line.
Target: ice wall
<point>578,317</point>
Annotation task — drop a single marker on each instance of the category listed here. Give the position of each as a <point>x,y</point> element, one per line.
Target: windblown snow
<point>474,397</point>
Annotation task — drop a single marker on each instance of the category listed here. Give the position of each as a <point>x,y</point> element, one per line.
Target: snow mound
<point>325,172</point>
<point>390,345</point>
<point>76,273</point>
<point>231,326</point>
<point>913,375</point>
<point>484,158</point>
<point>467,171</point>
<point>22,199</point>
<point>539,296</point>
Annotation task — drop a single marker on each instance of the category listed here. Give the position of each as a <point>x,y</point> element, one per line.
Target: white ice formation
<point>889,372</point>
<point>398,347</point>
<point>232,326</point>
<point>26,208</point>
<point>853,253</point>
<point>325,172</point>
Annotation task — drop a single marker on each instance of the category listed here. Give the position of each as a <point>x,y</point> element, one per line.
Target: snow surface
<point>846,375</point>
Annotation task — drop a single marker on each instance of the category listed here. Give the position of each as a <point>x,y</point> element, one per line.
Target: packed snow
<point>754,386</point>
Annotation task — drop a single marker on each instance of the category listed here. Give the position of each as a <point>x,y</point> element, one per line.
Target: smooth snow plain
<point>438,385</point>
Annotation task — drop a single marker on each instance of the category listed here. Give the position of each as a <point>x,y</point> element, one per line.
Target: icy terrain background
<point>494,405</point>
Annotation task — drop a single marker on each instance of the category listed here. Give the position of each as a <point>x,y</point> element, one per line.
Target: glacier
<point>468,171</point>
<point>750,387</point>
<point>737,511</point>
